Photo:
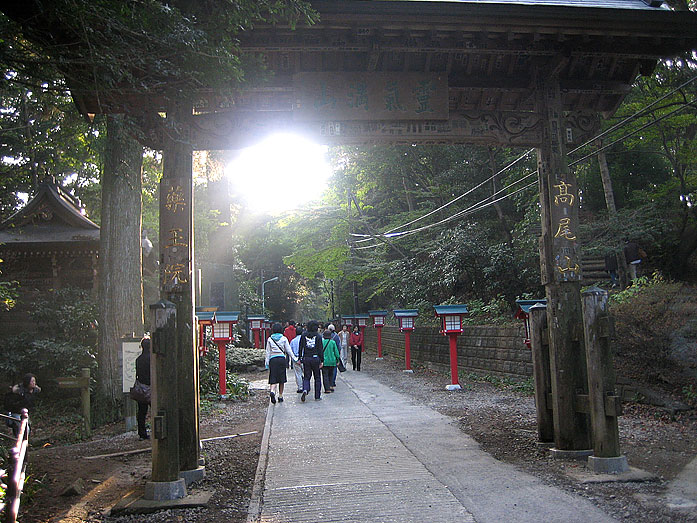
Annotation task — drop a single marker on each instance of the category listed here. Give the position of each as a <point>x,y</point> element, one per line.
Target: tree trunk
<point>120,282</point>
<point>407,195</point>
<point>607,181</point>
<point>622,270</point>
<point>497,206</point>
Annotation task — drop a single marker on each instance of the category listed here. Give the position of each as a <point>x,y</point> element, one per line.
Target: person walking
<point>297,366</point>
<point>311,353</point>
<point>331,358</point>
<point>356,343</point>
<point>344,336</point>
<point>337,340</point>
<point>277,347</point>
<point>143,376</point>
<point>289,333</point>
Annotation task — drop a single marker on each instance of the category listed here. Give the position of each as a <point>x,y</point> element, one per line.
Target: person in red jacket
<point>356,344</point>
<point>289,333</point>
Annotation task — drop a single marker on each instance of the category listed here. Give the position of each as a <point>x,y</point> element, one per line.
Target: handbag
<point>140,392</point>
<point>340,365</point>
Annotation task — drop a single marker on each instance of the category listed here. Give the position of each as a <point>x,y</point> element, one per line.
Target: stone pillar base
<point>165,490</point>
<point>378,359</point>
<point>615,465</point>
<point>579,455</point>
<point>453,387</point>
<point>192,475</point>
<point>408,371</point>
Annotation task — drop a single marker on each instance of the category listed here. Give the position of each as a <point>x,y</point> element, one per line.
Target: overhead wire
<point>481,204</point>
<point>469,191</point>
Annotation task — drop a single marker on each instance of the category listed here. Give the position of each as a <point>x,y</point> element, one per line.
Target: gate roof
<point>490,54</point>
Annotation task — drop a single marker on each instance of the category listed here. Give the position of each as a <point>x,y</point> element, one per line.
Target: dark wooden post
<point>539,343</point>
<point>561,273</point>
<point>165,483</point>
<point>176,272</point>
<point>603,403</point>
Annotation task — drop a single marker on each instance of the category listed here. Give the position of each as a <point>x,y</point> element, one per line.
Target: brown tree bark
<point>494,188</point>
<point>120,282</point>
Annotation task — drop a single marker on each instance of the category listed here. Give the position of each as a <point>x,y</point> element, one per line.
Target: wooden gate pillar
<point>539,343</point>
<point>176,272</point>
<point>561,272</point>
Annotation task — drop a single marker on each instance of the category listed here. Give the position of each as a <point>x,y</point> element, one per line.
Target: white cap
<point>331,327</point>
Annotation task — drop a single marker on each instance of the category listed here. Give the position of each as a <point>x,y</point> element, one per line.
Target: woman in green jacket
<point>331,358</point>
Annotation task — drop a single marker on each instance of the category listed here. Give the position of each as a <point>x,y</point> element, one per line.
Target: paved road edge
<point>257,498</point>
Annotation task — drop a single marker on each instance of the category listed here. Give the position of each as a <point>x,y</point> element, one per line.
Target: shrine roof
<point>406,313</point>
<point>525,305</point>
<point>227,316</point>
<point>451,309</point>
<point>52,216</point>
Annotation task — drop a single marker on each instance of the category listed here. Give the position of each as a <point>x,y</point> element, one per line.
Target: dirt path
<point>230,470</point>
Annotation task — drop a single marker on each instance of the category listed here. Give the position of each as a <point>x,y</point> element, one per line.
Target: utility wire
<point>469,191</point>
<point>470,210</point>
<point>636,115</point>
<point>388,234</point>
<point>477,206</point>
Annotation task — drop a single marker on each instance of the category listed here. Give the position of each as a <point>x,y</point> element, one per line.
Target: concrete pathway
<point>367,453</point>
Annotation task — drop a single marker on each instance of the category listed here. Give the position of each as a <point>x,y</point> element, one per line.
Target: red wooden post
<point>222,367</point>
<point>378,323</point>
<point>407,350</point>
<point>454,379</point>
<point>379,342</point>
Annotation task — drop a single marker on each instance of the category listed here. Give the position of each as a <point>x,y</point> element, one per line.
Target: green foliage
<point>239,358</point>
<point>67,314</point>
<point>690,394</point>
<point>526,386</point>
<point>67,317</point>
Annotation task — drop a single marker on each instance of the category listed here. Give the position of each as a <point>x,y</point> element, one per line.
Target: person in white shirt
<point>277,347</point>
<point>344,348</point>
<point>297,367</point>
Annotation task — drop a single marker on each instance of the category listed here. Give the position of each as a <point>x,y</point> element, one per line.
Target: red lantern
<point>255,323</point>
<point>451,326</point>
<point>523,313</point>
<point>205,316</point>
<point>378,323</point>
<point>222,335</point>
<point>406,325</point>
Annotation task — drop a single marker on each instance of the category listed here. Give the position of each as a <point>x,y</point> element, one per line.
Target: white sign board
<point>130,350</point>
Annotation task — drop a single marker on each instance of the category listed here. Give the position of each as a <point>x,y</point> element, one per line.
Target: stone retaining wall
<point>497,351</point>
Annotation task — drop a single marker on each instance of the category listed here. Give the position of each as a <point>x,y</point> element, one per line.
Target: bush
<point>646,319</point>
<point>237,388</point>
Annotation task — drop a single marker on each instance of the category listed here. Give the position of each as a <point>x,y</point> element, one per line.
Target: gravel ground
<point>230,471</point>
<point>503,421</point>
<point>500,419</point>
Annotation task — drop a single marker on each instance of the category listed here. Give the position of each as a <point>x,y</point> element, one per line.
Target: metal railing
<point>15,473</point>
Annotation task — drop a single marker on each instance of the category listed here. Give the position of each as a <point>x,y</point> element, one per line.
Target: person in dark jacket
<point>356,344</point>
<point>611,266</point>
<point>21,396</point>
<point>311,354</point>
<point>143,376</point>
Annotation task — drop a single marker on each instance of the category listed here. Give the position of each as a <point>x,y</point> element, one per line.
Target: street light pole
<point>263,295</point>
